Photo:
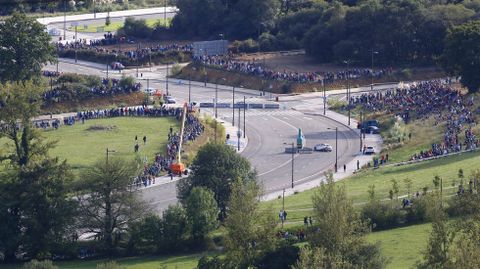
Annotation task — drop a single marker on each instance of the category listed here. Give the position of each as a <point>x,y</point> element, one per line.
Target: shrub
<point>34,264</point>
<point>136,28</point>
<point>417,212</point>
<point>283,257</point>
<point>381,216</point>
<point>109,265</point>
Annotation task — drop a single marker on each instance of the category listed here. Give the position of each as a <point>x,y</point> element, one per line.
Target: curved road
<point>269,133</point>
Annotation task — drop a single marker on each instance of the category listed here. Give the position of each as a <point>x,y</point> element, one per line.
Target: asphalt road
<point>269,133</point>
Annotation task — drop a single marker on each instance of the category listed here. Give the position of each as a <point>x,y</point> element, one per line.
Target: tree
<point>174,225</point>
<point>202,214</point>
<point>108,202</point>
<point>441,236</point>
<point>250,232</point>
<point>250,18</point>
<point>340,231</point>
<point>215,167</point>
<point>317,258</point>
<point>34,205</point>
<point>461,55</point>
<point>24,48</point>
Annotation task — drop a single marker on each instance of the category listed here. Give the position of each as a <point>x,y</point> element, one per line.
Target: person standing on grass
<point>144,139</point>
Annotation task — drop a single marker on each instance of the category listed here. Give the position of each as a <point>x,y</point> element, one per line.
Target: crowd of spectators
<point>422,100</point>
<point>139,51</point>
<point>109,86</point>
<point>255,68</point>
<point>192,130</point>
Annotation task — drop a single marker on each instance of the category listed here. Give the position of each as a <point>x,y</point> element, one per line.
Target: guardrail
<point>240,105</point>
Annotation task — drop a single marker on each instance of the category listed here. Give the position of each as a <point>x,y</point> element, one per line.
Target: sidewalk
<point>103,15</point>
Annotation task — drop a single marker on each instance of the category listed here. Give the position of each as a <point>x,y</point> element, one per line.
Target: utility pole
<point>65,20</point>
<point>324,98</point>
<point>348,90</point>
<point>373,52</point>
<point>216,99</point>
<point>293,158</point>
<point>361,130</point>
<point>166,80</point>
<point>165,13</point>
<point>233,108</point>
<point>239,134</point>
<point>244,109</point>
<point>107,66</point>
<point>336,149</point>
<point>189,88</point>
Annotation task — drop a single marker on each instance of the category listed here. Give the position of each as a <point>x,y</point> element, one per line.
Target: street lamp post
<point>373,52</point>
<point>347,62</point>
<point>216,99</point>
<point>238,132</point>
<point>65,20</point>
<point>324,98</point>
<point>189,88</point>
<point>233,108</point>
<point>244,109</point>
<point>293,158</point>
<point>166,81</point>
<point>336,147</point>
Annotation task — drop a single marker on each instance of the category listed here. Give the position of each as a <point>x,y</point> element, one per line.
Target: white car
<point>149,91</point>
<point>170,100</point>
<point>369,150</point>
<point>323,147</point>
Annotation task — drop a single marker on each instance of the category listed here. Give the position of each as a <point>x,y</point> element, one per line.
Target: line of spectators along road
<point>109,86</point>
<point>255,68</point>
<point>422,100</point>
<point>162,162</point>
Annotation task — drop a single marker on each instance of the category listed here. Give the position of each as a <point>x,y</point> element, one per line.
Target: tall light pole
<point>244,109</point>
<point>189,88</point>
<point>293,159</point>
<point>233,108</point>
<point>65,20</point>
<point>347,62</point>
<point>324,98</point>
<point>166,81</point>
<point>238,132</point>
<point>373,52</point>
<point>336,147</point>
<point>216,99</point>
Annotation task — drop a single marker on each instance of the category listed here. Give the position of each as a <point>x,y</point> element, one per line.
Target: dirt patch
<point>101,128</point>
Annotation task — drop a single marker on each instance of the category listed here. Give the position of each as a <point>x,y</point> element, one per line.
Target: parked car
<point>373,130</point>
<point>369,150</point>
<point>323,147</point>
<point>370,127</point>
<point>117,66</point>
<point>170,100</point>
<point>149,91</point>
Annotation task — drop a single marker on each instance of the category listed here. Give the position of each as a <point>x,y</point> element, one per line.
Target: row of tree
<point>405,32</point>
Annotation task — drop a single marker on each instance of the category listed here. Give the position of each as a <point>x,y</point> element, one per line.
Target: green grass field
<point>421,174</point>
<point>402,246</point>
<point>113,27</point>
<point>171,262</point>
<point>81,146</point>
